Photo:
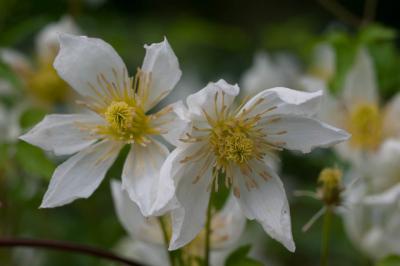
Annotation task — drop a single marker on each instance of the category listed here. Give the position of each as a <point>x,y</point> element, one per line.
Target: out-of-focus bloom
<point>267,73</point>
<point>236,144</point>
<point>373,218</point>
<point>40,79</point>
<point>147,244</point>
<point>118,116</point>
<point>322,69</point>
<point>357,109</point>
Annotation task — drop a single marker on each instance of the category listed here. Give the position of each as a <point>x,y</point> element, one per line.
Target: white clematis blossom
<point>268,72</point>
<point>373,219</point>
<point>39,77</point>
<point>357,109</point>
<point>147,244</point>
<point>237,144</point>
<point>118,116</point>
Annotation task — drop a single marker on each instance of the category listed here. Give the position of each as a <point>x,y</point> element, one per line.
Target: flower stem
<point>166,240</point>
<point>65,246</point>
<point>325,236</point>
<point>208,228</point>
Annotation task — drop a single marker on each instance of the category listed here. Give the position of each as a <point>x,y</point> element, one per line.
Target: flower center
<point>126,122</point>
<point>365,125</point>
<point>46,85</point>
<point>231,144</point>
<point>120,115</point>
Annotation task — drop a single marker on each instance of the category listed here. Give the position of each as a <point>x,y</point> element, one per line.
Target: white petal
<point>264,74</point>
<point>128,213</point>
<point>16,60</point>
<point>384,166</point>
<point>390,196</point>
<point>360,83</point>
<point>61,133</point>
<point>204,100</point>
<point>269,206</point>
<point>147,253</point>
<point>324,62</point>
<point>227,225</point>
<point>188,220</point>
<point>47,40</point>
<point>173,124</point>
<point>303,134</point>
<point>84,62</point>
<point>141,174</point>
<point>284,101</point>
<point>80,175</point>
<point>163,65</point>
<point>392,112</point>
<point>170,174</point>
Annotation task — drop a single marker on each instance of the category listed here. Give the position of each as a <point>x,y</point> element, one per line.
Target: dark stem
<point>369,11</point>
<point>65,246</point>
<point>326,231</point>
<point>208,228</point>
<point>341,12</point>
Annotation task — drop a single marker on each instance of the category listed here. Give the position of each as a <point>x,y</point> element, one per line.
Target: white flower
<point>119,115</point>
<point>357,109</point>
<point>39,77</point>
<point>372,218</point>
<point>238,143</point>
<point>46,42</point>
<point>146,243</point>
<point>267,73</point>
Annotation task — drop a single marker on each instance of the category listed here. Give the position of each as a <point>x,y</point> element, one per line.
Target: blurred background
<point>213,40</point>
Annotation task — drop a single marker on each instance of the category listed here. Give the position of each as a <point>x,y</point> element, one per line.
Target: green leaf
<point>31,117</point>
<point>239,258</point>
<point>33,160</point>
<point>376,33</point>
<point>391,260</point>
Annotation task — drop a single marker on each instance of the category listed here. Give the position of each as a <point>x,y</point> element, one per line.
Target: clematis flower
<point>267,72</point>
<point>358,110</point>
<point>373,221</point>
<point>147,245</point>
<point>118,116</point>
<point>237,144</point>
<point>40,79</point>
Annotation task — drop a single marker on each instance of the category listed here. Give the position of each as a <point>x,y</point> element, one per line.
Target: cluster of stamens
<point>121,104</point>
<point>233,140</point>
<point>365,125</point>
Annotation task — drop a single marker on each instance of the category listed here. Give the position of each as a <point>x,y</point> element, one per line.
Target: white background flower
<point>146,243</point>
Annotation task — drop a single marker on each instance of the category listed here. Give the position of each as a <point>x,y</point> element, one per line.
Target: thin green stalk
<point>326,236</point>
<point>208,229</point>
<point>166,240</point>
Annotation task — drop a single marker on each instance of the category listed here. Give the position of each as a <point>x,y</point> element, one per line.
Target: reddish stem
<point>65,246</point>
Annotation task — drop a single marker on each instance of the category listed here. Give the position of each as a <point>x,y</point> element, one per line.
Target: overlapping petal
<point>90,66</point>
<point>80,175</point>
<point>211,98</point>
<point>141,174</point>
<point>283,101</point>
<point>62,134</point>
<point>360,83</point>
<point>267,203</point>
<point>162,64</point>
<point>303,133</point>
<point>131,218</point>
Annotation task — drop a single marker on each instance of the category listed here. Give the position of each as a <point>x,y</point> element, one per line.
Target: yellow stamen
<point>365,125</point>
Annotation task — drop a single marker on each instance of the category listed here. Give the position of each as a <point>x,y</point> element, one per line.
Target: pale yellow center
<point>46,86</point>
<point>365,125</point>
<point>231,143</point>
<point>127,122</point>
